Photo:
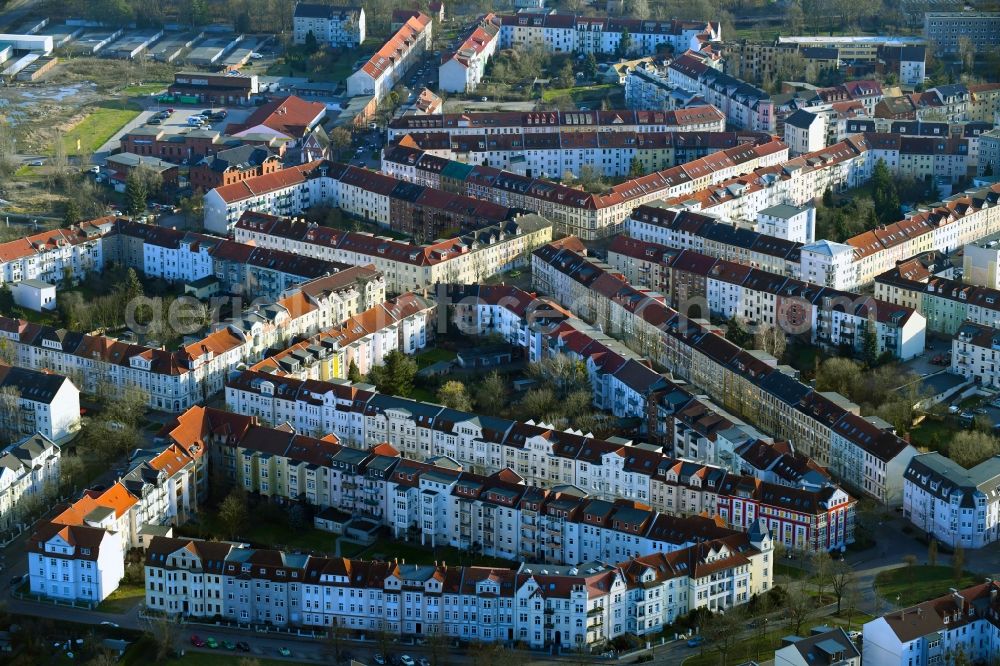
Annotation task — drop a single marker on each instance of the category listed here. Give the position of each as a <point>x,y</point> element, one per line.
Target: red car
<point>197,641</point>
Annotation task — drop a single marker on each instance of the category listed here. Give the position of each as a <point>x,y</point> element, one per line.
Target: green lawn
<point>783,569</point>
<point>272,533</point>
<point>123,599</point>
<point>579,94</point>
<point>422,394</point>
<point>751,648</point>
<point>328,68</point>
<point>934,432</point>
<point>98,127</point>
<point>920,583</point>
<point>432,356</point>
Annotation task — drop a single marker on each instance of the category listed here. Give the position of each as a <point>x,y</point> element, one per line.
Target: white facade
<point>34,295</point>
<point>792,223</point>
<point>389,65</point>
<point>75,563</point>
<point>339,27</point>
<point>27,468</point>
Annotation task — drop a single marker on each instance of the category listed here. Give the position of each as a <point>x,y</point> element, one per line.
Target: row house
<point>78,556</point>
<point>423,212</point>
<point>28,468</point>
<point>56,256</point>
<point>743,104</point>
<point>611,153</point>
<point>568,33</point>
<point>387,66</point>
<point>947,304</point>
<point>406,266</point>
<point>569,607</point>
<point>570,210</point>
<point>405,324</point>
<point>176,380</point>
<point>508,462</point>
<point>704,118</point>
<point>739,381</point>
<point>461,70</point>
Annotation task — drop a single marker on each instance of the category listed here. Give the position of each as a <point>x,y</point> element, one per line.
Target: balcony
<point>593,612</point>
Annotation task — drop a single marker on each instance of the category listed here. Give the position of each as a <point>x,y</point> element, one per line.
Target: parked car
<point>407,660</point>
<point>229,645</point>
<point>16,580</point>
<point>154,121</point>
<point>423,661</point>
<point>243,646</point>
<point>107,623</point>
<point>211,642</point>
<point>378,659</point>
<point>695,641</point>
<point>284,652</point>
<point>256,56</point>
<point>197,641</point>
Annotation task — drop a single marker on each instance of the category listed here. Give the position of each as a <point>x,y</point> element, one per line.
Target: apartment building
<point>703,118</point>
<point>946,30</point>
<point>423,212</point>
<point>946,304</point>
<point>175,380</point>
<point>568,33</point>
<point>389,64</point>
<point>75,563</point>
<point>975,354</point>
<point>989,153</point>
<point>39,402</point>
<point>805,132</point>
<point>610,153</point>
<point>574,211</point>
<point>698,285</point>
<point>832,646</point>
<point>954,505</point>
<point>55,256</point>
<point>794,223</point>
<point>960,622</point>
<point>461,70</point>
<point>744,105</point>
<point>28,468</point>
<point>858,454</point>
<point>406,266</point>
<point>580,608</point>
<point>404,324</point>
<point>337,27</point>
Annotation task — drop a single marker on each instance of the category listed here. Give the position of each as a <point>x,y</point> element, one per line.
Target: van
<point>195,121</point>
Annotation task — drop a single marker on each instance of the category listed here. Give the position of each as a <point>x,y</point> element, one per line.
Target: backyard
<point>123,599</point>
<point>909,585</point>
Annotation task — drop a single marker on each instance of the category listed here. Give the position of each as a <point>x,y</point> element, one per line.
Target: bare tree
<point>771,339</point>
<point>799,608</point>
<point>821,566</point>
<point>11,414</point>
<point>841,579</point>
<point>164,630</point>
<point>722,631</point>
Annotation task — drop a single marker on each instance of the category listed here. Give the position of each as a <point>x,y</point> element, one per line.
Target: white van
<point>196,121</point>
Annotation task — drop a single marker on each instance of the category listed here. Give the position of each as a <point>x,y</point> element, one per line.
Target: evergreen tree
<point>135,195</point>
<point>869,349</point>
<point>72,214</point>
<point>885,194</point>
<point>353,373</point>
<point>589,67</point>
<point>988,171</point>
<point>828,197</point>
<point>395,375</point>
<point>635,168</point>
<point>311,45</point>
<point>737,333</point>
<point>624,44</point>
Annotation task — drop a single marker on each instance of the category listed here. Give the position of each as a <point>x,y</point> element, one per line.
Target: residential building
<point>55,256</point>
<point>794,223</point>
<point>335,26</point>
<point>975,354</point>
<point>954,505</point>
<point>703,118</point>
<point>568,33</point>
<point>857,453</point>
<point>744,105</point>
<point>947,30</point>
<point>120,166</point>
<point>583,607</point>
<point>406,266</point>
<point>805,132</point>
<point>989,153</point>
<point>38,402</point>
<point>29,468</point>
<point>612,154</point>
<point>423,212</point>
<point>573,211</point>
<point>960,622</point>
<point>461,70</point>
<point>404,324</point>
<point>981,264</point>
<point>75,563</point>
<point>390,63</point>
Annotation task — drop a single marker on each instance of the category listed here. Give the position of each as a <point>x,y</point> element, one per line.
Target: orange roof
<point>392,51</point>
<point>217,343</point>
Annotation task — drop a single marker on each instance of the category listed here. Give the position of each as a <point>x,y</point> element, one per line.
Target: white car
<point>256,56</point>
<point>407,660</point>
